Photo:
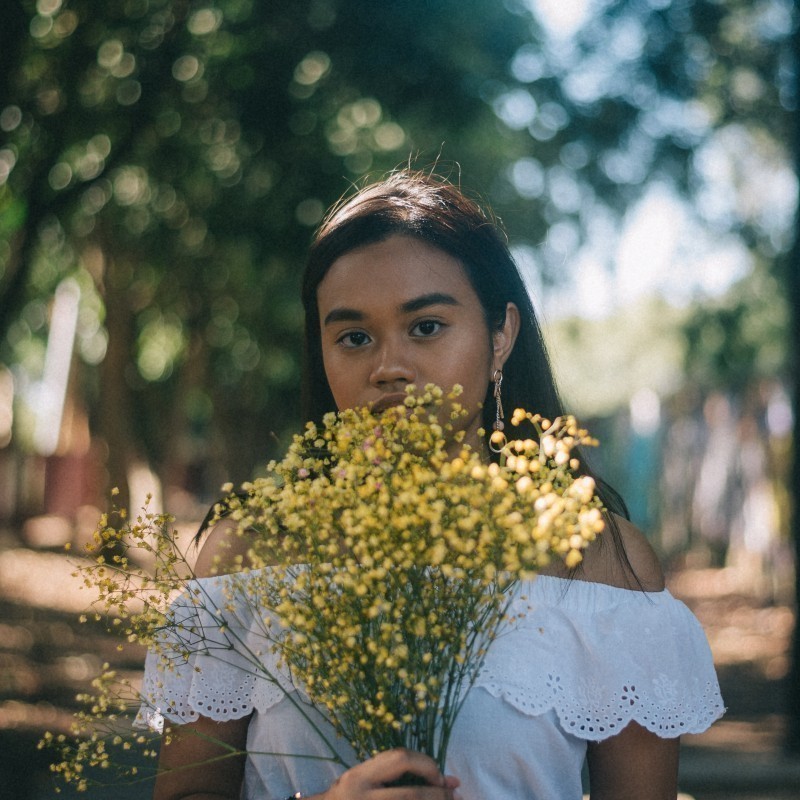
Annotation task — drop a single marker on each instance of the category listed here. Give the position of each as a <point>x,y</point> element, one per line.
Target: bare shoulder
<point>628,563</point>
<point>224,550</point>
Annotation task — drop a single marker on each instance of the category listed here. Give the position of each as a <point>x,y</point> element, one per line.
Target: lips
<point>388,401</point>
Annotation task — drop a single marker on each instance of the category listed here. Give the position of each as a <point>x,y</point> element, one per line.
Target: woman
<point>409,282</point>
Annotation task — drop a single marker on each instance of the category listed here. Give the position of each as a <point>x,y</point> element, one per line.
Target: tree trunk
<point>180,459</point>
<point>793,281</point>
<point>115,410</point>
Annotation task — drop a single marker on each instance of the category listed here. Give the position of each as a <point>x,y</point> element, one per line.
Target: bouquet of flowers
<point>382,555</point>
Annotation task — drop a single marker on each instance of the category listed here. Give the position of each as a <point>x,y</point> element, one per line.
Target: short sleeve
<point>214,656</point>
<point>601,657</point>
<point>598,656</point>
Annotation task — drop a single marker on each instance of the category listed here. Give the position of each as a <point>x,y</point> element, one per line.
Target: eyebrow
<point>415,304</point>
<point>425,300</point>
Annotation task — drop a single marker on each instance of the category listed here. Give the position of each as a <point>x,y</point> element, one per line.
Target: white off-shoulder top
<point>578,663</point>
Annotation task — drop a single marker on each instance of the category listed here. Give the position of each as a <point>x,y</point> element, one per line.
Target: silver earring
<point>497,441</point>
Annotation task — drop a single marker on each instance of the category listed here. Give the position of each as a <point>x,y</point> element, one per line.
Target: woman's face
<point>399,312</point>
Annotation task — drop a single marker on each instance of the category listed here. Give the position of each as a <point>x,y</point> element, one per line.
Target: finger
<point>400,761</point>
<point>374,778</point>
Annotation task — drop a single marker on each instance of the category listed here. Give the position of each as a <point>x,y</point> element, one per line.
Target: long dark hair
<point>427,207</point>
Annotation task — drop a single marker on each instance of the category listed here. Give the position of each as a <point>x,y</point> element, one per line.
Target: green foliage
<point>601,363</point>
<point>177,156</point>
<point>740,337</point>
<point>698,95</point>
<point>723,343</point>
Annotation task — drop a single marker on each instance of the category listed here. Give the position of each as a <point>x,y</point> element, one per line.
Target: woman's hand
<point>372,780</point>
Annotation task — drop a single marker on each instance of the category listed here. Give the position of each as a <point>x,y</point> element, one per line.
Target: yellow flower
<point>384,552</point>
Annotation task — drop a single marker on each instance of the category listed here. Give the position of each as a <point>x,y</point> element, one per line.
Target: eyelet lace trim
<point>600,657</point>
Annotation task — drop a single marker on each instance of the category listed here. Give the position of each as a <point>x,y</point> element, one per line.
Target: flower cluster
<point>383,552</point>
<point>134,569</point>
<point>391,558</point>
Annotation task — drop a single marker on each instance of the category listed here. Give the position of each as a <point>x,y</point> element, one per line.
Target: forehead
<point>393,271</point>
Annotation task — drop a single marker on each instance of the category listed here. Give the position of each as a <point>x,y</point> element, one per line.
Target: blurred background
<point>163,164</point>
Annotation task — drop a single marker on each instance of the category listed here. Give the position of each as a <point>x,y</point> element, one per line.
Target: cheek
<point>338,386</point>
<point>348,379</point>
<point>473,373</point>
<point>474,365</point>
<point>333,376</point>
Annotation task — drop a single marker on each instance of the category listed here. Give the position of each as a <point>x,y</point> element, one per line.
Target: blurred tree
<point>174,157</point>
<point>703,93</point>
<point>794,482</point>
<point>700,96</point>
<point>793,296</point>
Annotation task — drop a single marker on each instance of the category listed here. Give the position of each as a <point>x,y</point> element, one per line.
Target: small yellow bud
<point>498,438</point>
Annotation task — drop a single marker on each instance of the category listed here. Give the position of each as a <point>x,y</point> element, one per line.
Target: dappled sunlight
<point>47,656</point>
<point>750,639</point>
<point>741,628</point>
<point>748,736</point>
<point>159,180</point>
<point>41,580</point>
<point>47,580</point>
<point>18,715</point>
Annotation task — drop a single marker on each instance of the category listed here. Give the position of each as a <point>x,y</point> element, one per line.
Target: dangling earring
<point>497,441</point>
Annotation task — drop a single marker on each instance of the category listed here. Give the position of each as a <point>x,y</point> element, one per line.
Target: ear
<point>503,340</point>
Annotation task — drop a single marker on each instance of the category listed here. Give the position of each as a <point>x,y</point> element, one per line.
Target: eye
<point>353,339</point>
<point>427,327</point>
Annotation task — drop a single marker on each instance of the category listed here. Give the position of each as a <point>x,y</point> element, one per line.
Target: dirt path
<point>47,657</point>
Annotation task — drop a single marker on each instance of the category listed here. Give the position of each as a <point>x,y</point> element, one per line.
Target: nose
<point>393,367</point>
